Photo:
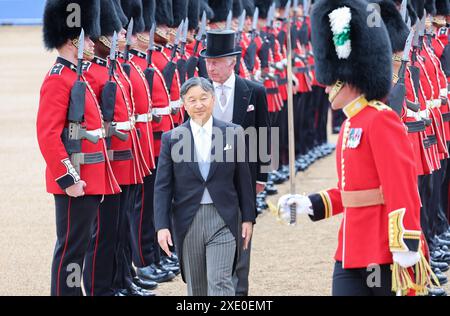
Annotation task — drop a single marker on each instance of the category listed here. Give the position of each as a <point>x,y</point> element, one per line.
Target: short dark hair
<point>205,84</point>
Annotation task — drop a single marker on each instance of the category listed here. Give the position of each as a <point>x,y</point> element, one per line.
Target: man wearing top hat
<point>241,102</point>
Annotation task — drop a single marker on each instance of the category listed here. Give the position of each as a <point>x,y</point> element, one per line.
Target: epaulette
<point>380,106</point>
<point>56,69</point>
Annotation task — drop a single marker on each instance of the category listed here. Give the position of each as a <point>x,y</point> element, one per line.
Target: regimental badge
<point>56,70</point>
<point>354,137</point>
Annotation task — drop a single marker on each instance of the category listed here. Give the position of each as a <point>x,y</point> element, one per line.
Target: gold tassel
<point>424,276</point>
<point>402,281</point>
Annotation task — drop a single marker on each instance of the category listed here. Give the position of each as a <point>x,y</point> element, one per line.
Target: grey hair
<point>196,82</point>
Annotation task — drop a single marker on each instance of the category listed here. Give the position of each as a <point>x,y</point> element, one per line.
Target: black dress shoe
<point>440,265</point>
<point>135,290</point>
<point>145,284</point>
<point>442,242</point>
<point>440,276</point>
<point>168,265</point>
<point>445,236</point>
<point>439,256</point>
<point>271,190</point>
<point>436,291</point>
<point>153,273</point>
<point>336,129</point>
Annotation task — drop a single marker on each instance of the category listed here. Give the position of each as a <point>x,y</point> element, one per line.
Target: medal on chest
<point>354,138</point>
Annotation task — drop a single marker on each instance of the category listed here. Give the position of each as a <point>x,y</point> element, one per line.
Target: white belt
<point>143,118</point>
<point>417,115</point>
<point>161,111</point>
<point>175,104</point>
<point>125,126</point>
<point>436,103</point>
<point>443,92</point>
<point>100,132</point>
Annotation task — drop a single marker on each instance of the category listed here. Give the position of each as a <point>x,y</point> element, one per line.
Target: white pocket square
<point>227,147</point>
<point>250,108</point>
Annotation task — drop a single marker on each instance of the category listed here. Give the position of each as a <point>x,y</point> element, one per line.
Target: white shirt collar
<point>195,127</point>
<point>231,81</point>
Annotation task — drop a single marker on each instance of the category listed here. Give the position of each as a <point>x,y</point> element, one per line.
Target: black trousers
<point>74,220</point>
<point>284,135</point>
<point>321,98</point>
<point>300,112</point>
<point>100,262</point>
<point>442,220</point>
<point>445,190</point>
<point>124,277</point>
<point>424,192</point>
<point>362,282</point>
<point>143,242</point>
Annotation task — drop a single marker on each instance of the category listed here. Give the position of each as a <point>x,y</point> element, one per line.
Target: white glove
<point>406,259</point>
<point>303,205</point>
<point>258,76</point>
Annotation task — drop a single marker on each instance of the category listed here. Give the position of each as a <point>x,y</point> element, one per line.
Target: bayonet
<point>287,10</point>
<point>126,67</point>
<point>408,45</point>
<point>306,5</point>
<point>177,40</point>
<point>80,54</point>
<point>202,29</point>
<point>404,10</point>
<point>184,35</point>
<point>151,44</point>
<point>240,27</point>
<point>129,39</point>
<point>242,21</point>
<point>229,20</point>
<point>255,22</point>
<point>200,33</point>
<point>112,55</point>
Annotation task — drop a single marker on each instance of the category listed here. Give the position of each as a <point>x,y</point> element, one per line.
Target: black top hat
<point>219,44</point>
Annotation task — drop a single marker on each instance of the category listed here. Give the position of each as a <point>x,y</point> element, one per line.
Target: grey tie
<point>223,97</point>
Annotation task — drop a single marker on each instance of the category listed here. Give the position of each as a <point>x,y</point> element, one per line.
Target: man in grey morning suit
<point>208,194</point>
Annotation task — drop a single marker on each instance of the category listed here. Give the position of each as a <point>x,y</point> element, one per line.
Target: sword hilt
<point>293,209</point>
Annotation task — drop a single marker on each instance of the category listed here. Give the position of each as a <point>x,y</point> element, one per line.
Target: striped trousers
<point>208,254</point>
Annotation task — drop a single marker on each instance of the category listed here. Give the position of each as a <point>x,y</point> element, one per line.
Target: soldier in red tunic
<point>378,197</point>
<point>143,236</point>
<point>108,261</point>
<point>70,132</point>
